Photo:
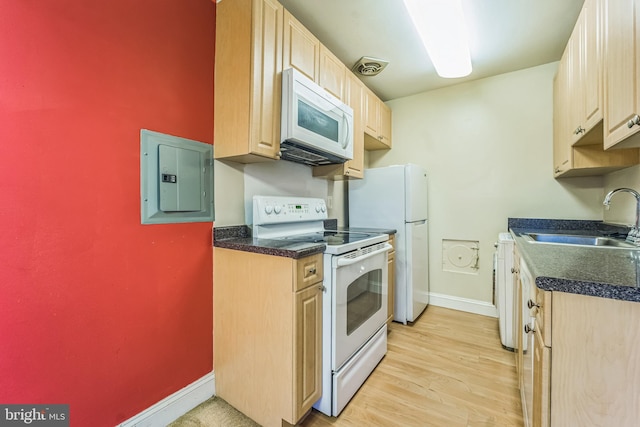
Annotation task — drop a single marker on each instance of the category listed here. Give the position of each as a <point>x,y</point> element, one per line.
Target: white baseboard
<point>463,304</point>
<point>173,407</point>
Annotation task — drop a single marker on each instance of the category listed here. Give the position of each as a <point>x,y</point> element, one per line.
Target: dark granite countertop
<point>593,271</point>
<point>239,238</point>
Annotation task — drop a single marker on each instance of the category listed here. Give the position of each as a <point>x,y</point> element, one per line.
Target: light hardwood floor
<point>447,369</point>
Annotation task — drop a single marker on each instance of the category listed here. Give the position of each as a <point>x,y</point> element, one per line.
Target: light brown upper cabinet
<point>578,103</point>
<point>301,48</point>
<point>585,69</point>
<point>304,52</point>
<point>622,74</point>
<point>255,41</point>
<point>333,73</point>
<point>561,141</point>
<point>247,80</point>
<point>377,122</point>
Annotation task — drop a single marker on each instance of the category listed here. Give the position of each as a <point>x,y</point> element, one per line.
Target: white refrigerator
<point>396,197</point>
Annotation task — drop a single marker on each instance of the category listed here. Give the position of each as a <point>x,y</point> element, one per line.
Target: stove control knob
<point>323,208</point>
<point>277,209</point>
<point>268,209</point>
<point>318,208</point>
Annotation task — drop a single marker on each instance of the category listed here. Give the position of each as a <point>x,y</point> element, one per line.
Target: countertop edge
<point>238,237</point>
<point>266,250</point>
<point>554,282</point>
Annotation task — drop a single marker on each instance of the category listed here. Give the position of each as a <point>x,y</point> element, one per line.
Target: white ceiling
<point>506,35</point>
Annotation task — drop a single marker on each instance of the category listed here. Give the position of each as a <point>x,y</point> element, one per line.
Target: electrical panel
<point>176,179</point>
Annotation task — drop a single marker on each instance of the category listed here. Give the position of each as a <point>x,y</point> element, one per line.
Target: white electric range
<point>354,331</point>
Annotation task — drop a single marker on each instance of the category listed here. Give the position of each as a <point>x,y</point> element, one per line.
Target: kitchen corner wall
<point>236,184</point>
<point>98,311</point>
<point>487,147</point>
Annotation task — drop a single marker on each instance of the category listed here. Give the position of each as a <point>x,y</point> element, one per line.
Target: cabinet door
<point>266,79</point>
<point>391,267</point>
<point>622,79</point>
<point>517,314</point>
<point>384,124</point>
<point>592,64</point>
<point>354,98</point>
<point>561,145</point>
<point>595,380</point>
<point>247,80</point>
<point>541,381</point>
<point>308,349</point>
<point>333,73</point>
<point>371,113</point>
<point>301,48</point>
<point>575,81</point>
<point>585,75</point>
<point>377,123</point>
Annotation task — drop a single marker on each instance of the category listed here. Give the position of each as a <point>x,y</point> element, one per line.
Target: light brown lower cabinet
<point>541,377</point>
<point>391,264</point>
<point>589,374</point>
<point>268,334</point>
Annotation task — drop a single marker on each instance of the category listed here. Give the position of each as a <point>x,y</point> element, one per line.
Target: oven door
<point>359,306</point>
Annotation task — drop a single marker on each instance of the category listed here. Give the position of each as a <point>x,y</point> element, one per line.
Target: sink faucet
<point>634,234</point>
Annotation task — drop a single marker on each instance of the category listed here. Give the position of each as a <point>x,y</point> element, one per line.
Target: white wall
<point>228,188</point>
<point>487,146</point>
<point>236,184</point>
<point>623,206</point>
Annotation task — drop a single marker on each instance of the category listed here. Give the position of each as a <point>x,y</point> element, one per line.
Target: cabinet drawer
<point>543,315</point>
<point>308,271</point>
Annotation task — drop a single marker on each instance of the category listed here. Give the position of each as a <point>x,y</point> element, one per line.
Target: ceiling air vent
<point>367,66</point>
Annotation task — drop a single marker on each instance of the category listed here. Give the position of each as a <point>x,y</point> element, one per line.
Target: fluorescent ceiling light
<point>442,29</point>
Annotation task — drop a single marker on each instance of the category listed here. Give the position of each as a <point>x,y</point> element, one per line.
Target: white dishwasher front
<point>504,289</point>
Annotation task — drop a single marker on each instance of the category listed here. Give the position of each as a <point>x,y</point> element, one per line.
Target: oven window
<point>317,122</point>
<point>364,299</point>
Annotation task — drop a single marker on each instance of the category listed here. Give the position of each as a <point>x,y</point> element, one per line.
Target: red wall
<point>97,310</point>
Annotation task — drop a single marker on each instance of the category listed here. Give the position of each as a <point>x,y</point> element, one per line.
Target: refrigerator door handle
<point>418,222</point>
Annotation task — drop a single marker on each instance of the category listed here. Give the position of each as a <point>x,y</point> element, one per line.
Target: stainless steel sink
<point>577,240</point>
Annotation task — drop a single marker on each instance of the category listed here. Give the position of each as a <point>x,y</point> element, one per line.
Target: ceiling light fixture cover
<point>443,31</point>
<point>368,66</point>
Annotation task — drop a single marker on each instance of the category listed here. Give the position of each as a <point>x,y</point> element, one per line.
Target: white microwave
<point>317,128</point>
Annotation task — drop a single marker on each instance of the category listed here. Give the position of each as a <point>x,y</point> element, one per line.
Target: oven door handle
<point>342,262</point>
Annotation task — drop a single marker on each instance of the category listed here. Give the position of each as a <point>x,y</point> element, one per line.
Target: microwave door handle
<point>346,135</point>
<point>343,262</point>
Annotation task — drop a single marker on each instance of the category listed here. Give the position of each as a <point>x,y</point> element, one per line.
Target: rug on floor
<point>215,412</point>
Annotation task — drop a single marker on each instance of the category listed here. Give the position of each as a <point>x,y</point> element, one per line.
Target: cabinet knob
<point>635,120</point>
<point>312,270</point>
<point>514,271</point>
<point>322,288</point>
<point>528,329</point>
<point>532,304</point>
